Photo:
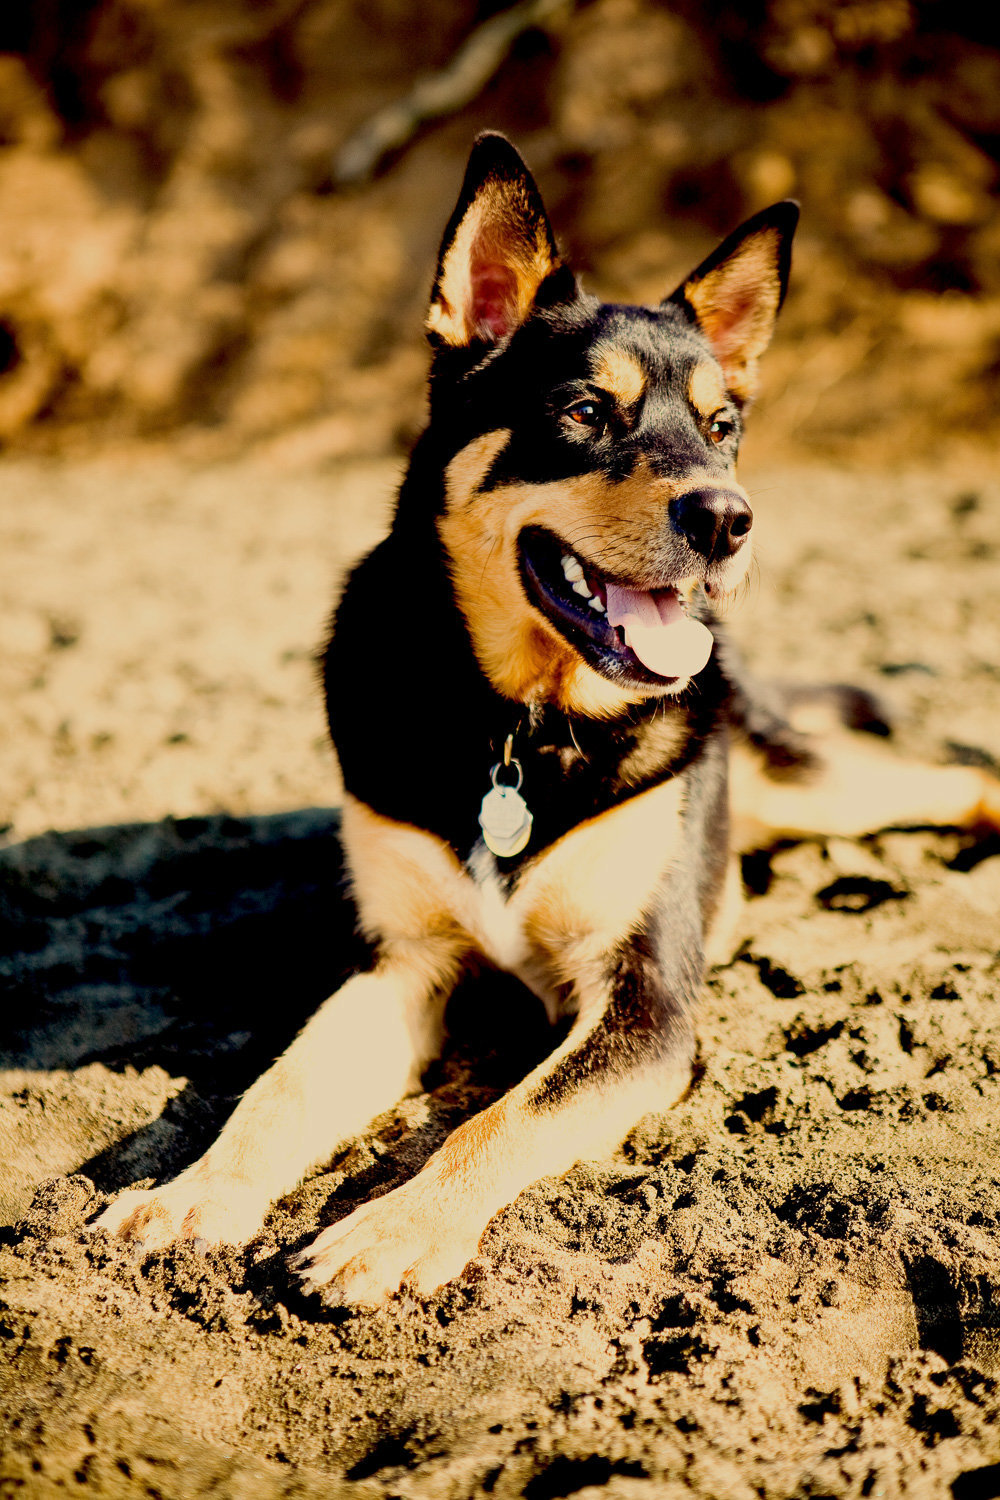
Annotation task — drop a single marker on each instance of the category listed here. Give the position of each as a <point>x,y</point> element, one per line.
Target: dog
<point>549,749</point>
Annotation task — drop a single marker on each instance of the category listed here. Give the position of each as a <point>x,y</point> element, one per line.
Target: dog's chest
<point>565,909</point>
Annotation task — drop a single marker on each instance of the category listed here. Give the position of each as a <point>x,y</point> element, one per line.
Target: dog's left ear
<point>498,251</point>
<point>734,296</point>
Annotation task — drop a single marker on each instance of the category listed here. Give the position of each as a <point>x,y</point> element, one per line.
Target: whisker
<point>576,742</point>
<point>486,563</point>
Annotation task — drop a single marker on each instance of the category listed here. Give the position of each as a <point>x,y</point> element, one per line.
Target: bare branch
<point>442,93</point>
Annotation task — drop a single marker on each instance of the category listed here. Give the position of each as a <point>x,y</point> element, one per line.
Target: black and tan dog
<point>532,702</point>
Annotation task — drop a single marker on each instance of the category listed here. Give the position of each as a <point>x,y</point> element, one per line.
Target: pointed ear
<point>497,250</point>
<point>735,294</point>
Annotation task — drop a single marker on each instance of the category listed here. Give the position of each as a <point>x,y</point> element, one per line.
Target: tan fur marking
<point>472,463</point>
<point>618,372</point>
<point>706,389</point>
<point>467,1144</point>
<point>622,527</point>
<point>594,886</point>
<point>408,886</point>
<point>657,747</point>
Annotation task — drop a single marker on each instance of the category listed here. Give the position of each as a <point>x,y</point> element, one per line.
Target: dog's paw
<point>213,1211</point>
<point>405,1239</point>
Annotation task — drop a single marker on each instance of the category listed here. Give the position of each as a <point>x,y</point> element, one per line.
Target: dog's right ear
<point>497,251</point>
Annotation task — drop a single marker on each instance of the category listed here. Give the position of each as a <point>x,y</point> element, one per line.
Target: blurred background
<point>210,224</point>
<point>219,226</point>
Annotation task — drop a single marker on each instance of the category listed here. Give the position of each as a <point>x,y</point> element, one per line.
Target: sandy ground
<point>787,1286</point>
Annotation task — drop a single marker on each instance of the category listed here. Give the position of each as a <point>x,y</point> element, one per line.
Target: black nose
<point>715,522</point>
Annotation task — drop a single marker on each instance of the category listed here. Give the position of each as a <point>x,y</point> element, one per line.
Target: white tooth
<point>595,603</point>
<point>580,587</point>
<point>572,569</point>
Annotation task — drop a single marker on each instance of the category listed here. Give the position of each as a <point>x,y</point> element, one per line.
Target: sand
<point>789,1285</point>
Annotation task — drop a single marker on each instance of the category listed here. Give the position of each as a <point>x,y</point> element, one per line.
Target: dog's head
<point>588,448</point>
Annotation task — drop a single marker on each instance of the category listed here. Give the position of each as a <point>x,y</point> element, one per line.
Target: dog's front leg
<point>629,1052</point>
<point>362,1050</point>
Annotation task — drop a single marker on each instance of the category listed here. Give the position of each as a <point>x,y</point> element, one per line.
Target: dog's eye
<point>720,428</point>
<point>586,413</point>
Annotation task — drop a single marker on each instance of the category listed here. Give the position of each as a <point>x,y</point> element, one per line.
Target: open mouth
<point>638,636</point>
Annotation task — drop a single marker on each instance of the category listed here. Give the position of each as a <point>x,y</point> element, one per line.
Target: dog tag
<point>504,816</point>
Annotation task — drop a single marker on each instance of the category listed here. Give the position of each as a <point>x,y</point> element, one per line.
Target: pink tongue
<point>662,636</point>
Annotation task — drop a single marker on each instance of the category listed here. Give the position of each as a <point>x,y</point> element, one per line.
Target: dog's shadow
<point>202,945</point>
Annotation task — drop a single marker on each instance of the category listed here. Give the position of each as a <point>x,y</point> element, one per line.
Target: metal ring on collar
<point>503,785</point>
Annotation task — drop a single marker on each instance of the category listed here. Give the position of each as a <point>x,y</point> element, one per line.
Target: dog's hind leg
<point>849,787</point>
<point>362,1050</point>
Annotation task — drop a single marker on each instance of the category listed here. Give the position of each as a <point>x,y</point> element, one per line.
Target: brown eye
<point>719,429</point>
<point>586,413</point>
